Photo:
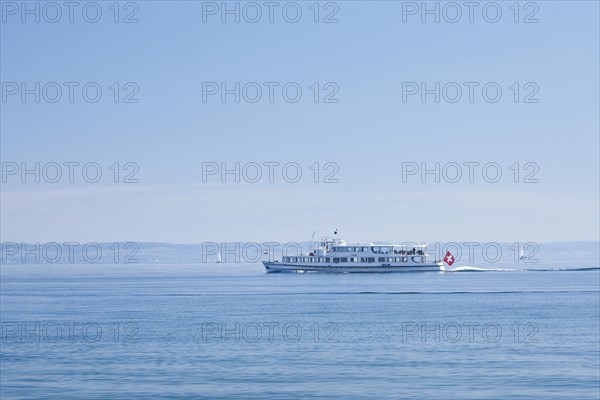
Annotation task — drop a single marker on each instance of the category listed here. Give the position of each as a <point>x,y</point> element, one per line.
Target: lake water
<point>232,331</point>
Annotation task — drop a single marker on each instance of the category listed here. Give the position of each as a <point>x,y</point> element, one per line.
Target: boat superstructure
<point>335,255</point>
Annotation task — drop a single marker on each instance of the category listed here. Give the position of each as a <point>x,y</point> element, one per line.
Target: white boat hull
<point>275,266</point>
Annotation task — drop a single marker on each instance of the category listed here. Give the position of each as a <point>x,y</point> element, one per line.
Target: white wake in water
<point>480,269</point>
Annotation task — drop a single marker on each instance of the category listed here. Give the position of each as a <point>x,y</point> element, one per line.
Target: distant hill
<point>505,255</point>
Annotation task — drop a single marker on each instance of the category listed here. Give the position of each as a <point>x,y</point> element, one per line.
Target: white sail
<point>521,254</point>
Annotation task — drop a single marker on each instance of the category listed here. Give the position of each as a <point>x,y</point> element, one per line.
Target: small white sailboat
<point>522,254</point>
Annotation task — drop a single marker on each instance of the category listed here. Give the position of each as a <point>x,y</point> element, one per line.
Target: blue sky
<point>369,133</point>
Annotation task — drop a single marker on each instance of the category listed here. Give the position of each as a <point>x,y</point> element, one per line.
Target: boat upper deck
<point>407,248</point>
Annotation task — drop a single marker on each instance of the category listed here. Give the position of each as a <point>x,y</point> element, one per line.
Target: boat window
<point>336,259</point>
<point>417,259</point>
<point>292,259</point>
<point>344,259</point>
<point>327,259</point>
<point>371,259</point>
<point>381,259</point>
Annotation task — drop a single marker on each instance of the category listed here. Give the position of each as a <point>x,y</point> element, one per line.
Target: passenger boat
<point>335,255</point>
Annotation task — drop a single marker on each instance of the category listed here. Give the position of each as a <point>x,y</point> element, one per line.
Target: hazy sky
<point>369,121</point>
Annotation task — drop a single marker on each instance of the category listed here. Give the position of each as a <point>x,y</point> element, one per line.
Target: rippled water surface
<point>220,331</point>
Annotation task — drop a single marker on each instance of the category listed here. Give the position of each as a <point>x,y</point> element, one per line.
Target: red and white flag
<point>449,259</point>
